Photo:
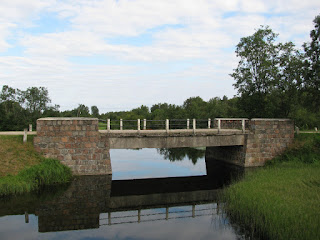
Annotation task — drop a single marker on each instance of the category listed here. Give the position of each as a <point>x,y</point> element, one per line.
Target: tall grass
<point>281,200</point>
<point>48,172</point>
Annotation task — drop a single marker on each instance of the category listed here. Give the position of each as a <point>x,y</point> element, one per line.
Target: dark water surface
<point>152,194</point>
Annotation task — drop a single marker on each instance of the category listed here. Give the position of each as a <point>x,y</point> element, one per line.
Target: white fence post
<point>138,123</point>
<point>219,125</point>
<point>194,125</point>
<point>121,124</point>
<point>25,135</point>
<point>188,123</point>
<point>243,125</point>
<point>30,127</point>
<point>209,123</point>
<point>108,124</point>
<point>167,125</point>
<point>144,124</point>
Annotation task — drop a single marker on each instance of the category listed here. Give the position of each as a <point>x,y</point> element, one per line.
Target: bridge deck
<point>131,139</point>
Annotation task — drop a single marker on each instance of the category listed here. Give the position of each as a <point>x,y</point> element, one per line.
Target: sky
<point>119,55</point>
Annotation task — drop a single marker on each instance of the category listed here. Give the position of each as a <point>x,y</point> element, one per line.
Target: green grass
<point>102,126</point>
<point>48,172</point>
<point>15,156</point>
<point>281,200</point>
<point>23,170</point>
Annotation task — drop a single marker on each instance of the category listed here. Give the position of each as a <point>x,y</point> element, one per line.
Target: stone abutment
<point>76,142</point>
<point>266,139</point>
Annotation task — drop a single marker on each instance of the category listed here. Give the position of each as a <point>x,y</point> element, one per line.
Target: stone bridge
<point>78,143</point>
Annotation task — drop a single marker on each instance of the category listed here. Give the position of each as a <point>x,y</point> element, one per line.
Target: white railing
<point>173,124</point>
<point>140,216</point>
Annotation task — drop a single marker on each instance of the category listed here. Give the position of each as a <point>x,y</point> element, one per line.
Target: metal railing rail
<point>161,215</point>
<point>172,124</point>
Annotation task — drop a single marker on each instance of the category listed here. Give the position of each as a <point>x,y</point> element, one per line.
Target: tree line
<point>273,80</point>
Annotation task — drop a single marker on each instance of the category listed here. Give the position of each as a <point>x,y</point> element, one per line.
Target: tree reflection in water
<point>178,154</point>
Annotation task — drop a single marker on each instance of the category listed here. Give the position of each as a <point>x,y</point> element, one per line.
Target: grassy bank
<point>15,156</point>
<point>281,200</point>
<point>23,170</point>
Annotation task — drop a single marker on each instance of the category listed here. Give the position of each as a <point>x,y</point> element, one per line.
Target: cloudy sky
<point>121,54</point>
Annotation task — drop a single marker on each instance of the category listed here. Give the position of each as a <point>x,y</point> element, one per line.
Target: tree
<point>266,77</point>
<point>256,69</point>
<point>287,89</point>
<point>52,111</point>
<point>9,94</point>
<point>12,115</point>
<point>82,111</point>
<point>36,99</point>
<point>312,66</point>
<point>95,111</point>
<point>195,107</point>
<point>141,112</point>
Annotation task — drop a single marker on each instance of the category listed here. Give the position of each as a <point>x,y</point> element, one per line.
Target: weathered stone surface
<point>267,138</point>
<point>76,142</point>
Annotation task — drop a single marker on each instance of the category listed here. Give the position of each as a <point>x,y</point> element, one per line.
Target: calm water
<point>153,194</point>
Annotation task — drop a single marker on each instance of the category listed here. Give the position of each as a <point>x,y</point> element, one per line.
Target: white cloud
<point>202,33</point>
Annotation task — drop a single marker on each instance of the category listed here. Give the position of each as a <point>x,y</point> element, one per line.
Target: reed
<point>281,200</point>
<point>48,172</point>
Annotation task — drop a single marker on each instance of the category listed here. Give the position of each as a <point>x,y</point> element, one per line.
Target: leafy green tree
<point>286,93</point>
<point>95,111</point>
<point>256,71</point>
<point>195,107</point>
<point>9,94</point>
<point>141,112</point>
<point>36,99</point>
<point>82,111</point>
<point>12,115</point>
<point>163,111</point>
<point>52,111</point>
<point>267,76</point>
<point>312,66</point>
<point>257,66</point>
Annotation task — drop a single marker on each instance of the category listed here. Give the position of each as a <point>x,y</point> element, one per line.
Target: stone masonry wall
<point>76,142</point>
<point>266,139</point>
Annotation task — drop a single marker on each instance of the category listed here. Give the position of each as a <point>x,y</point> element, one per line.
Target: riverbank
<point>24,170</point>
<point>280,200</point>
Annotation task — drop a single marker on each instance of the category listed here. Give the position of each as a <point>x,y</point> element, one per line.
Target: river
<point>152,194</point>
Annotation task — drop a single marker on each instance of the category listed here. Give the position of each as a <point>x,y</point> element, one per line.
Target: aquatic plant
<point>48,172</point>
<point>281,200</point>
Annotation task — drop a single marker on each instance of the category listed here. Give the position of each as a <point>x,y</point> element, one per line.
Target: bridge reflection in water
<point>92,201</point>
